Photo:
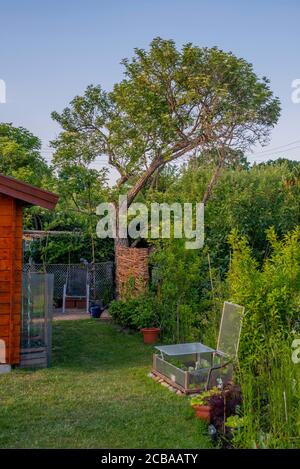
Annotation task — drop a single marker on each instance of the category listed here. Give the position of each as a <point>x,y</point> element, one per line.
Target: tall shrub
<point>269,379</point>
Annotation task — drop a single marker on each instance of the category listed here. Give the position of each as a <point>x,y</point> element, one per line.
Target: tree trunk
<point>119,242</point>
<point>130,198</point>
<point>143,180</point>
<point>213,180</point>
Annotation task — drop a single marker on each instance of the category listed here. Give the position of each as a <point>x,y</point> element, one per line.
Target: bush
<point>269,379</point>
<point>135,313</point>
<point>183,291</point>
<point>269,294</point>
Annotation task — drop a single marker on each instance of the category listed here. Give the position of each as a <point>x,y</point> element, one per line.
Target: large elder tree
<point>170,104</point>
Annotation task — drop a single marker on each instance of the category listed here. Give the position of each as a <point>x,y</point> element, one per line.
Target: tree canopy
<point>171,103</point>
<point>20,155</point>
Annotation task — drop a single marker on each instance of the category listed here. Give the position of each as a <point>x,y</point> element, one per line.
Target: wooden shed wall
<point>11,214</point>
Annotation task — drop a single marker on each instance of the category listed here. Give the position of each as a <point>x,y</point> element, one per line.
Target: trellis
<point>100,278</point>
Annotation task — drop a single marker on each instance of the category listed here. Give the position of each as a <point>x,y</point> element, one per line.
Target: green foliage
<point>234,159</point>
<point>183,290</point>
<point>249,200</point>
<point>20,156</point>
<point>170,103</point>
<point>80,190</point>
<point>189,294</point>
<point>235,421</point>
<point>204,397</point>
<point>270,295</point>
<point>65,249</point>
<point>273,390</point>
<point>135,313</point>
<point>270,381</point>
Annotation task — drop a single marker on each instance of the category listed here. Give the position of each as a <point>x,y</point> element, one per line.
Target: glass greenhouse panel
<point>173,373</point>
<point>37,304</point>
<point>230,329</point>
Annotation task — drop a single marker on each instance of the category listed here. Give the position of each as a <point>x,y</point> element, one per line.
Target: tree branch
<point>214,177</point>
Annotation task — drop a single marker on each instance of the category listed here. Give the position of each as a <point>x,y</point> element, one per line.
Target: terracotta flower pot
<point>203,412</point>
<point>150,334</point>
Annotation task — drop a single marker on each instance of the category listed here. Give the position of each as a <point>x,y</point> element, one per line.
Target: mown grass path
<point>96,395</point>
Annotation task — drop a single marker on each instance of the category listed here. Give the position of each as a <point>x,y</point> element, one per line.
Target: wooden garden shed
<point>14,196</point>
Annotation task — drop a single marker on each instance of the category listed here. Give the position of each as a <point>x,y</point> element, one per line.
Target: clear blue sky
<point>51,50</point>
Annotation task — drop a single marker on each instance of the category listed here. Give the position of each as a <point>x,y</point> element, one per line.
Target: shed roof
<point>27,193</point>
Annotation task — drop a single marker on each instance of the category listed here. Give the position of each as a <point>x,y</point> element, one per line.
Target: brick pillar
<point>132,272</point>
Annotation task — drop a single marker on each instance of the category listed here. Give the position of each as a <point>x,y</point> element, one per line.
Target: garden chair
<point>223,358</point>
<point>76,286</point>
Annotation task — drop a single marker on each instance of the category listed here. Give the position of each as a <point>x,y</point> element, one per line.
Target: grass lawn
<point>96,395</point>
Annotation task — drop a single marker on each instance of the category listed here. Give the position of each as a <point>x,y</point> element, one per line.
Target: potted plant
<point>234,424</point>
<point>201,404</point>
<point>143,318</point>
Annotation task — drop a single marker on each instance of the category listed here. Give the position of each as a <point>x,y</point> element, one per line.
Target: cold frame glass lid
<point>184,349</point>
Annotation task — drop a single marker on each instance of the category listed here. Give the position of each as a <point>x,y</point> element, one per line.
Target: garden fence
<point>100,278</point>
